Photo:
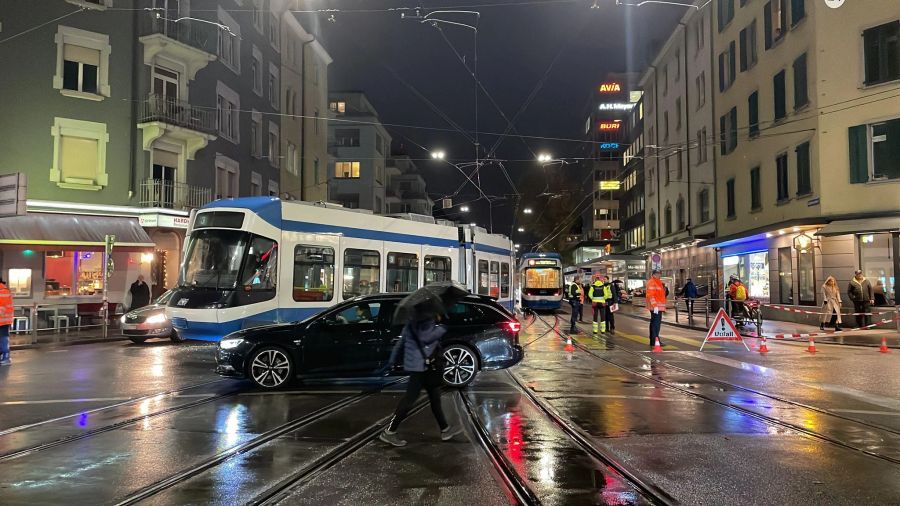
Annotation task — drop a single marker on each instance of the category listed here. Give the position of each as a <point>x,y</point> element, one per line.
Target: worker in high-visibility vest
<point>576,299</point>
<point>600,293</point>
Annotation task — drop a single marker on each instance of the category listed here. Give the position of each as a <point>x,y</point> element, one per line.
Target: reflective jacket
<point>576,292</point>
<point>600,292</point>
<point>656,295</point>
<point>6,306</point>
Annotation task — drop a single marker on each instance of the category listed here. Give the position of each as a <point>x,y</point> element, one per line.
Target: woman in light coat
<point>832,296</point>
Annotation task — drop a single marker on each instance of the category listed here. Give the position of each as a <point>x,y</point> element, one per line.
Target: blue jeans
<point>4,341</point>
<point>655,324</point>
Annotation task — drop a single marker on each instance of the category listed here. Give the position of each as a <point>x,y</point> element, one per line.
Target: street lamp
<point>473,224</point>
<point>544,157</point>
<point>464,209</point>
<point>521,229</point>
<point>438,155</point>
<point>527,210</point>
<point>517,246</point>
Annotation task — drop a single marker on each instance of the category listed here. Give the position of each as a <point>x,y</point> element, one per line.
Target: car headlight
<point>227,344</point>
<point>122,319</point>
<point>157,318</point>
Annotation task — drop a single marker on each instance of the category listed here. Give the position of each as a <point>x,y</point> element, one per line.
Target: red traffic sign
<point>723,329</point>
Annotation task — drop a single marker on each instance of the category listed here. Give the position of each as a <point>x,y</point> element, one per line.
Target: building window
<point>274,88</point>
<point>877,263</point>
<point>313,274</point>
<point>291,162</point>
<point>274,145</point>
<point>258,11</point>
<point>775,20</point>
<point>339,107</point>
<point>806,277</point>
<point>703,203</point>
<point>665,81</point>
<point>228,105</point>
<point>226,177</point>
<point>346,137</point>
<point>79,154</point>
<point>725,11</point>
<point>19,282</point>
<point>73,273</point>
<point>729,197</point>
<point>255,134</point>
<point>785,276</point>
<point>727,70</point>
<point>677,64</point>
<point>801,95</point>
<point>780,96</point>
<point>728,132</point>
<point>678,113</point>
<point>379,144</point>
<point>679,214</point>
<point>666,126</point>
<point>274,38</point>
<point>781,174</point>
<point>82,63</point>
<point>679,169</point>
<point>804,179</point>
<point>668,170</point>
<point>255,184</point>
<point>882,53</point>
<point>402,272</point>
<point>651,221</point>
<point>256,69</point>
<point>700,33</point>
<point>753,113</point>
<point>346,170</point>
<point>701,89</point>
<point>379,173</point>
<point>667,219</point>
<point>882,140</point>
<point>229,42</point>
<point>798,11</point>
<point>316,170</point>
<point>748,46</point>
<point>437,269</point>
<point>755,190</point>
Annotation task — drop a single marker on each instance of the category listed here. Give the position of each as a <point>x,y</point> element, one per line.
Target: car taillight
<point>511,325</point>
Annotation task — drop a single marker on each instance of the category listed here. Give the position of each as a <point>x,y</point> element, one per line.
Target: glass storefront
<point>877,264</point>
<point>753,271</point>
<point>73,273</point>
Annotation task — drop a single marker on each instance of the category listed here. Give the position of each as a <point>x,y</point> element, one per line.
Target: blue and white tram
<point>260,260</point>
<point>542,280</point>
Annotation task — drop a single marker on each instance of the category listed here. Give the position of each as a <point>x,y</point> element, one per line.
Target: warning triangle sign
<point>723,329</point>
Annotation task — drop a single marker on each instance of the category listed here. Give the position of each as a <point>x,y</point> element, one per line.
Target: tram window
<point>495,279</point>
<point>483,277</point>
<point>402,272</point>
<point>260,271</point>
<point>362,269</point>
<point>313,274</point>
<point>437,269</point>
<point>504,280</point>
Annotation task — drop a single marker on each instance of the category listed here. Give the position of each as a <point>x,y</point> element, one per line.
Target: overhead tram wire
<point>37,27</point>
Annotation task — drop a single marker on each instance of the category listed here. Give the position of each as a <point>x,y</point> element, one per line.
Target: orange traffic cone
<point>884,348</point>
<point>762,346</point>
<point>569,345</point>
<point>656,346</point>
<point>812,345</point>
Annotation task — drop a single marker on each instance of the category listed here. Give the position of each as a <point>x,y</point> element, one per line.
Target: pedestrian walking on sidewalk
<point>140,293</point>
<point>422,360</point>
<point>861,293</point>
<point>576,299</point>
<point>656,304</point>
<point>689,292</point>
<point>831,294</point>
<point>6,320</point>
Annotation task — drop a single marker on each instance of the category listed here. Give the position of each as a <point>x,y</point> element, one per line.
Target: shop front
<point>679,263</point>
<point>167,231</point>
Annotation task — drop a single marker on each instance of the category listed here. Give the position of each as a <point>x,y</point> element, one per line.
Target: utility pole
<point>108,268</point>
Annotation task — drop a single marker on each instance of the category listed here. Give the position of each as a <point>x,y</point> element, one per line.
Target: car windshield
<point>214,259</point>
<point>163,299</point>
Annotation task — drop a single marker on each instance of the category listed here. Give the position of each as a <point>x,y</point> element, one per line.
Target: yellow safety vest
<point>599,292</point>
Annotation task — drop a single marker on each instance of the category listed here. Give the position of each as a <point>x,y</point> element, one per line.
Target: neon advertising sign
<point>609,126</point>
<point>610,87</point>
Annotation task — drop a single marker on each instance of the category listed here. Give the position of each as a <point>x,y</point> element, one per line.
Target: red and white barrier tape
<point>820,334</point>
<point>804,311</point>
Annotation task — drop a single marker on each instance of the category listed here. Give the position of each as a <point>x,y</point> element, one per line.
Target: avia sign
<point>610,126</point>
<point>610,87</point>
<point>616,107</point>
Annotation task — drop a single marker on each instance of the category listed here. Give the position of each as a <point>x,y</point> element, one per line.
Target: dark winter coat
<point>429,334</point>
<point>860,291</point>
<point>690,290</point>
<point>140,295</point>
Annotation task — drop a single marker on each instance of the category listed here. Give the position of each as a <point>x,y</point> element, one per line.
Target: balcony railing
<point>199,35</point>
<point>178,113</point>
<point>171,195</point>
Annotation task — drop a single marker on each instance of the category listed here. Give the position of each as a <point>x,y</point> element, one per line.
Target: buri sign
<point>610,87</point>
<point>610,126</point>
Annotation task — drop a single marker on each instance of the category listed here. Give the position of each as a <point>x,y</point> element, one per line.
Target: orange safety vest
<point>656,295</point>
<point>6,306</point>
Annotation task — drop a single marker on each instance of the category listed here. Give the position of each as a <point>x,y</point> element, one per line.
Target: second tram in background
<point>541,280</point>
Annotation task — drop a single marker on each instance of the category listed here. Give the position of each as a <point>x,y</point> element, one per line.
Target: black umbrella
<point>430,300</point>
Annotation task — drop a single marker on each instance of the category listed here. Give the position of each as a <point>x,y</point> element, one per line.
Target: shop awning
<point>66,231</point>
<point>843,227</point>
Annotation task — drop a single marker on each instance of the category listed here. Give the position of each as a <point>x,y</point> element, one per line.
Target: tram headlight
<point>228,344</point>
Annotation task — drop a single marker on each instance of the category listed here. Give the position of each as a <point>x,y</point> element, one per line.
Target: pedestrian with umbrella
<point>422,355</point>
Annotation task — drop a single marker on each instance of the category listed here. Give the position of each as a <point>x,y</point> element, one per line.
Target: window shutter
<point>767,16</point>
<point>859,153</point>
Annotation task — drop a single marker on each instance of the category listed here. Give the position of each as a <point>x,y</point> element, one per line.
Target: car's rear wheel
<point>175,337</point>
<point>460,365</point>
<point>271,367</point>
<point>137,340</point>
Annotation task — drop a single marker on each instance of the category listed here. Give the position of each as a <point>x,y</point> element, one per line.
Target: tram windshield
<point>542,278</point>
<point>216,259</point>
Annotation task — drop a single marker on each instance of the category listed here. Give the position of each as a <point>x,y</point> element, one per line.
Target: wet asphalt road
<point>102,424</point>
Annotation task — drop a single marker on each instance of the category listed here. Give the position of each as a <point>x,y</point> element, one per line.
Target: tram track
<point>759,416</point>
<point>266,437</point>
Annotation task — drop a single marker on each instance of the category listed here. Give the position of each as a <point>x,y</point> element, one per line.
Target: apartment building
<point>632,201</point>
<point>808,163</point>
<point>406,188</point>
<point>678,165</point>
<point>359,148</point>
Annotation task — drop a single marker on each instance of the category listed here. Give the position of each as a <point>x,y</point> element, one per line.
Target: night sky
<point>376,52</point>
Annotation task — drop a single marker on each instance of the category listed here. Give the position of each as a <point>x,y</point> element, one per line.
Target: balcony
<point>190,42</point>
<point>177,122</point>
<point>170,195</point>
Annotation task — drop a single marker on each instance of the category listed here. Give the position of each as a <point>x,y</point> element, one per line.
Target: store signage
<point>609,145</point>
<point>163,220</point>
<point>610,87</point>
<point>608,126</point>
<point>12,194</point>
<point>610,185</point>
<point>616,106</point>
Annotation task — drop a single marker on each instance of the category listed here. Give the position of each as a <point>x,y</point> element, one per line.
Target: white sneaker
<point>448,433</point>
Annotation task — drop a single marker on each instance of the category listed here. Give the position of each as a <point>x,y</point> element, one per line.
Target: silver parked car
<point>149,322</point>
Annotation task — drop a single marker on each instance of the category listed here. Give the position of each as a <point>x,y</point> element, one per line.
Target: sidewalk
<point>772,327</point>
<point>21,341</point>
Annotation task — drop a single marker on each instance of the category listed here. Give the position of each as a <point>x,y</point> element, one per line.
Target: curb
<point>91,340</point>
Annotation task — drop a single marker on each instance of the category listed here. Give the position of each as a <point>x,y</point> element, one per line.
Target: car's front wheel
<point>175,337</point>
<point>460,365</point>
<point>271,367</point>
